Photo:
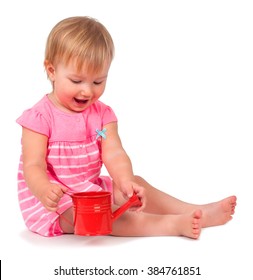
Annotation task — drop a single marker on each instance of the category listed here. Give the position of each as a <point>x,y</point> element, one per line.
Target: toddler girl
<point>69,134</point>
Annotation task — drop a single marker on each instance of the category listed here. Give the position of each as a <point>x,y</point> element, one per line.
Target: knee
<point>138,179</point>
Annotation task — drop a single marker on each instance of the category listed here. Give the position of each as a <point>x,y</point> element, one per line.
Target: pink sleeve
<point>35,121</point>
<point>108,116</point>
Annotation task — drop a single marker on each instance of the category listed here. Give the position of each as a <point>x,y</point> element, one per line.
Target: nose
<point>87,90</point>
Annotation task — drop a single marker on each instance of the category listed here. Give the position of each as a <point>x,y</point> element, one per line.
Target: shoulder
<point>106,112</point>
<point>42,106</point>
<point>37,117</point>
<point>100,106</point>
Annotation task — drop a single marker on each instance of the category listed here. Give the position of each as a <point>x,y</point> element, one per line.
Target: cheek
<point>63,92</point>
<point>97,95</point>
<point>100,91</point>
<point>63,87</point>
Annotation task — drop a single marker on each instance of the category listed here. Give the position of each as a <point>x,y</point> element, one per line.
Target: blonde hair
<point>83,39</point>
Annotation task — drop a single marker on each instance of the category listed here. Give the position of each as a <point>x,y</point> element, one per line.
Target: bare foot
<point>189,225</point>
<point>218,213</point>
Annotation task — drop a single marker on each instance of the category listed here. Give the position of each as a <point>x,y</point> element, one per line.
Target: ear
<point>50,69</point>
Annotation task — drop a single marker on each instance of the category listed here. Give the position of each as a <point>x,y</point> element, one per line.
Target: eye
<point>98,83</point>
<point>75,81</point>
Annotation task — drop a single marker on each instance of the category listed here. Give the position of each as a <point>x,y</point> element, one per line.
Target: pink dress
<point>73,158</point>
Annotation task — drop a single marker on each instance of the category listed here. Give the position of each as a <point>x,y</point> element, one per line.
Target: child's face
<point>74,91</point>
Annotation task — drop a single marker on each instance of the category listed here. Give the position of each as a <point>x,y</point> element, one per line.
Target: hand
<point>51,196</point>
<point>129,188</point>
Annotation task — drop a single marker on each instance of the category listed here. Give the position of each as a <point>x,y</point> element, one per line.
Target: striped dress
<point>73,158</point>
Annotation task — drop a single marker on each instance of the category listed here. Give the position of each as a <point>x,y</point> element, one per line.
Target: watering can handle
<point>133,201</point>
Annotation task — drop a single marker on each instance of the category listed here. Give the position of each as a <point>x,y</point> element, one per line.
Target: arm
<point>34,150</point>
<point>118,163</point>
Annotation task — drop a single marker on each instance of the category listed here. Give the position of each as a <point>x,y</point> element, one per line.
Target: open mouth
<point>80,101</point>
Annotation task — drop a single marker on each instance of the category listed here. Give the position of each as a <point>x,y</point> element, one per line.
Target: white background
<point>181,86</point>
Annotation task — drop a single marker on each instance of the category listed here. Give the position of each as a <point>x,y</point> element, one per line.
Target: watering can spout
<point>133,201</point>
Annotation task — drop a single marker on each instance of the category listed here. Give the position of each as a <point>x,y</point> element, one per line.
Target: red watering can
<point>92,212</point>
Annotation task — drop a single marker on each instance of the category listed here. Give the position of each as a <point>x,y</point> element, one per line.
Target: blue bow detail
<point>101,133</point>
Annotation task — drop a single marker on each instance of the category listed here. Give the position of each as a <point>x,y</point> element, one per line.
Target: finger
<point>64,188</point>
<point>127,190</point>
<point>128,193</point>
<point>141,194</point>
<point>51,202</point>
<point>139,206</point>
<point>59,191</point>
<point>50,205</point>
<point>54,197</point>
<point>51,209</point>
<point>143,203</point>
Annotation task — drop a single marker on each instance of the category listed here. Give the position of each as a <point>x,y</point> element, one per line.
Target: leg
<point>66,221</point>
<point>158,202</point>
<point>146,224</point>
